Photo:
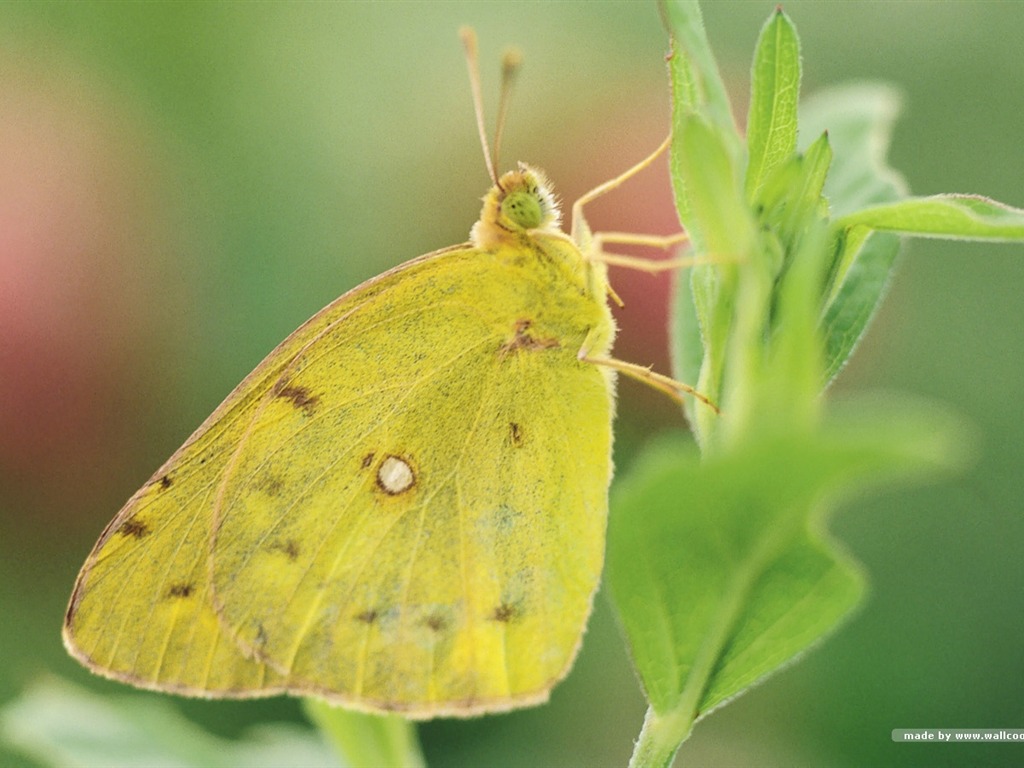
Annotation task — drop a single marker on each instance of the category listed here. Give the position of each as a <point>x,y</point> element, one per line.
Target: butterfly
<point>403,507</point>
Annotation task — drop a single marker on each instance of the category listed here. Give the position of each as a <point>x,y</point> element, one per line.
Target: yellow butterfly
<point>402,509</point>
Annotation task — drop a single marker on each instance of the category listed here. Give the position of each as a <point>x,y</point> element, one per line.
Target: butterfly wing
<point>403,508</point>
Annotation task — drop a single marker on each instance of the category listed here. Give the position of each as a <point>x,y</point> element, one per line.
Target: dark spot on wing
<point>289,548</point>
<point>522,339</point>
<point>367,460</point>
<point>180,590</point>
<point>505,613</point>
<point>515,434</point>
<point>261,634</point>
<point>504,518</point>
<point>134,527</point>
<point>165,482</point>
<point>435,623</point>
<point>271,485</point>
<point>301,397</point>
<point>368,616</point>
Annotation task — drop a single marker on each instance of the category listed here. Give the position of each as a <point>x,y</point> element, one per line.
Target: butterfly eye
<point>523,208</point>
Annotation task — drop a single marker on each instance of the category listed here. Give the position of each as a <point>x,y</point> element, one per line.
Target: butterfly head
<point>521,202</point>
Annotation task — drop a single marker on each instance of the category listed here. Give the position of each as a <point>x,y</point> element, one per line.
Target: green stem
<point>660,738</point>
<point>363,740</point>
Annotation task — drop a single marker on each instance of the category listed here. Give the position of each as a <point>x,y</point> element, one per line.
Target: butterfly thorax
<point>522,211</point>
<point>520,223</point>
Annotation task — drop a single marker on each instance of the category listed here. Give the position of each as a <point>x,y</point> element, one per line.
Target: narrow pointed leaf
<point>774,94</point>
<point>698,84</point>
<point>721,223</point>
<point>859,122</point>
<point>962,217</point>
<point>697,89</point>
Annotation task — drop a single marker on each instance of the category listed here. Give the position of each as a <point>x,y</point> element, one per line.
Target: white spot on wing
<point>395,475</point>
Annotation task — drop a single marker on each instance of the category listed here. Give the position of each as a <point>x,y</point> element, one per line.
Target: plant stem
<point>364,740</point>
<point>660,738</point>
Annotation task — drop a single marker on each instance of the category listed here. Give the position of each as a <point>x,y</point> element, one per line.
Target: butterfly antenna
<point>468,36</point>
<point>510,63</point>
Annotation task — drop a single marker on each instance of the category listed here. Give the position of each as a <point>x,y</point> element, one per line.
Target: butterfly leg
<point>579,223</point>
<point>593,243</point>
<point>641,263</point>
<point>671,387</point>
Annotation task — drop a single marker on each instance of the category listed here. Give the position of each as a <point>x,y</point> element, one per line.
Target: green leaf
<point>721,217</point>
<point>791,197</point>
<point>686,344</point>
<point>961,217</point>
<point>721,571</point>
<point>721,223</point>
<point>869,245</point>
<point>788,382</point>
<point>697,82</point>
<point>866,267</point>
<point>859,121</point>
<point>697,88</point>
<point>367,740</point>
<point>774,93</point>
<point>61,725</point>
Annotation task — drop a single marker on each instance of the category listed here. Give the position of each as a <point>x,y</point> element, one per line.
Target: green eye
<point>524,209</point>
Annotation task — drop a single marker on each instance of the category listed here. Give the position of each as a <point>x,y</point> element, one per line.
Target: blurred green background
<point>181,185</point>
